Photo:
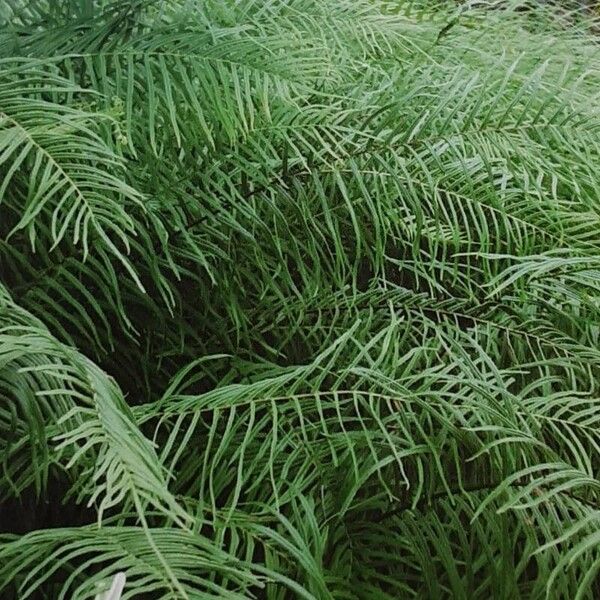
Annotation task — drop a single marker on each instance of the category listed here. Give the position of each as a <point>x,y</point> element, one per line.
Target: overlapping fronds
<point>300,299</point>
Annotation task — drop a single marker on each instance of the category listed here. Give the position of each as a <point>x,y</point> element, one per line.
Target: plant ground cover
<point>299,299</point>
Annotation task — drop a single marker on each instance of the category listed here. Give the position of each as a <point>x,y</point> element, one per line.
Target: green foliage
<point>301,298</point>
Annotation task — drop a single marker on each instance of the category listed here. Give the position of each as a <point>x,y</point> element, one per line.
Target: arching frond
<point>49,388</point>
<point>56,167</point>
<point>36,558</point>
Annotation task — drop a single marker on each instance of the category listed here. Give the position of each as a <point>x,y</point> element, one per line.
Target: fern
<point>299,299</point>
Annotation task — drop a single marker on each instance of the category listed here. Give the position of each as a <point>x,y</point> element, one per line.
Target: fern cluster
<point>299,299</point>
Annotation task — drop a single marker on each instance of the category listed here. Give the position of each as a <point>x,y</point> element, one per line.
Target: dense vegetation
<point>299,299</point>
